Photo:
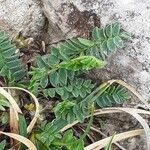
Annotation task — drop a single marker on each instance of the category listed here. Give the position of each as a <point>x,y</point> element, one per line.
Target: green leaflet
<point>58,74</point>
<point>98,34</point>
<point>116,29</point>
<point>2,145</point>
<point>41,62</point>
<point>44,81</point>
<point>10,64</point>
<point>83,63</point>
<point>53,60</point>
<point>79,114</point>
<point>111,45</point>
<point>118,42</point>
<point>115,94</point>
<point>125,35</point>
<point>86,42</point>
<point>109,30</point>
<point>63,75</point>
<point>60,91</point>
<point>22,129</point>
<point>54,79</point>
<point>3,103</point>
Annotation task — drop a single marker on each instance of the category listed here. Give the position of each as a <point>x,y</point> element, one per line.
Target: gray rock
<point>131,64</point>
<point>70,18</point>
<point>67,20</point>
<point>21,15</point>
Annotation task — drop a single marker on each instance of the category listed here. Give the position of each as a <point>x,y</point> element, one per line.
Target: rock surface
<point>132,64</point>
<point>23,16</point>
<point>69,18</point>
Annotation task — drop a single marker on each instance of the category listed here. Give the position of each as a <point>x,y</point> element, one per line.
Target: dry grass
<point>94,146</point>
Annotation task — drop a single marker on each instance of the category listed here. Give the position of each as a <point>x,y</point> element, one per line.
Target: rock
<point>132,63</point>
<point>76,18</point>
<point>68,21</point>
<point>71,18</point>
<point>21,15</point>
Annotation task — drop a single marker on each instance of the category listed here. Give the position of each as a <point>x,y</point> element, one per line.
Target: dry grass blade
<point>69,126</point>
<point>108,111</point>
<point>36,115</point>
<point>110,82</point>
<point>117,110</point>
<point>21,139</point>
<point>13,123</point>
<point>134,113</point>
<point>103,134</point>
<point>118,137</point>
<point>130,111</point>
<point>142,122</point>
<point>130,88</point>
<point>12,102</point>
<point>14,127</point>
<point>88,135</point>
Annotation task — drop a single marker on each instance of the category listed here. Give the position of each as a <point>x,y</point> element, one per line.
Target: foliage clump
<point>62,75</point>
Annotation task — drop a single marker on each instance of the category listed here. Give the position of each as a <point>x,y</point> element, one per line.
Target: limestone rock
<point>21,15</point>
<point>67,20</point>
<point>70,18</point>
<point>132,63</point>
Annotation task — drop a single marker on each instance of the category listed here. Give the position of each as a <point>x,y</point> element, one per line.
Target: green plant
<point>109,145</point>
<point>49,137</point>
<point>69,142</point>
<point>12,71</point>
<point>62,75</point>
<point>3,104</point>
<point>11,67</point>
<point>2,144</point>
<point>113,95</point>
<point>76,54</point>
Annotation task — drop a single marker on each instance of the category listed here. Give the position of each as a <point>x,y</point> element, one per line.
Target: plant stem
<point>101,91</point>
<point>98,91</point>
<point>89,124</point>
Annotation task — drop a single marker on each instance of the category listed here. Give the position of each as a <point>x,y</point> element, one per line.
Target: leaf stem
<point>89,124</point>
